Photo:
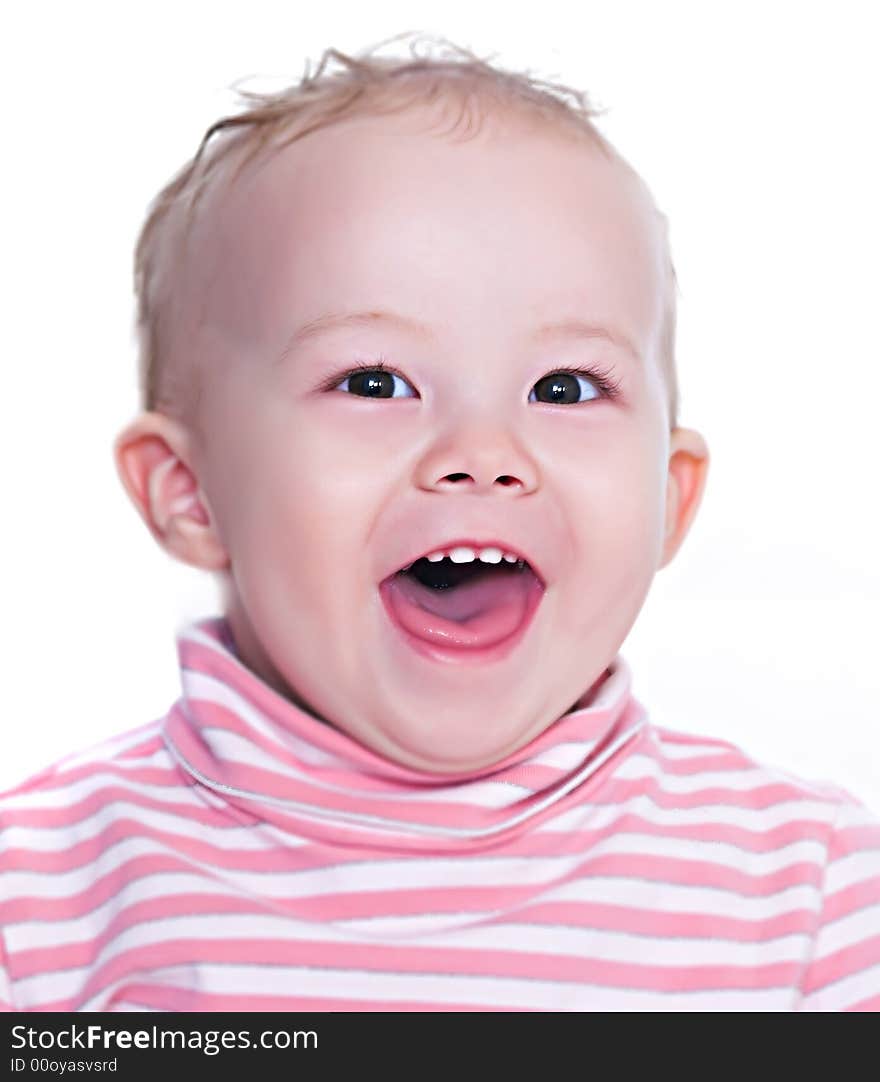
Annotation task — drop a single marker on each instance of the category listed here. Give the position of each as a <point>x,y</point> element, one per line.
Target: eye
<point>371,381</point>
<point>563,387</point>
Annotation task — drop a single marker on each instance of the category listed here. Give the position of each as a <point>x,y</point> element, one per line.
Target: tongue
<point>478,612</point>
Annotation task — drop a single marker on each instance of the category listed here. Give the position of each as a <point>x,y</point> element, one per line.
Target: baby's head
<point>362,347</point>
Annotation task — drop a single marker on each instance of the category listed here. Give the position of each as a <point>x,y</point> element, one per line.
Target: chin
<point>452,752</point>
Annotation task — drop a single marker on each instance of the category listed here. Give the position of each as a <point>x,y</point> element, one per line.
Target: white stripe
<point>563,756</point>
<point>846,992</point>
<point>756,865</point>
<point>5,985</point>
<point>607,945</point>
<point>437,924</point>
<point>416,871</point>
<point>409,872</point>
<point>858,867</point>
<point>494,992</point>
<point>28,935</point>
<point>638,767</point>
<point>54,783</point>
<point>109,749</point>
<point>856,927</point>
<point>159,760</point>
<point>707,902</point>
<point>40,933</point>
<point>561,940</point>
<point>66,795</point>
<point>857,815</point>
<point>60,839</point>
<point>671,898</point>
<point>690,751</point>
<point>759,820</point>
<point>592,817</point>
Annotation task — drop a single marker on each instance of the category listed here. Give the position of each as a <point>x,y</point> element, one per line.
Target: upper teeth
<point>462,554</point>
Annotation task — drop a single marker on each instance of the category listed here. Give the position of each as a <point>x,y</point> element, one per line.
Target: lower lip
<point>467,655</point>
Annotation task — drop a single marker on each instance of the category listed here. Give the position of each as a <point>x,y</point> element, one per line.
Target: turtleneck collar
<point>273,762</point>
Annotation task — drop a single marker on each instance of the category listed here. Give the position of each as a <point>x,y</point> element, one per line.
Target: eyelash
<point>604,380</point>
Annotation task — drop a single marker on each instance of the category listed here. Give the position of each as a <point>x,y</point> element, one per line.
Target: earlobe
<point>151,461</point>
<point>686,482</point>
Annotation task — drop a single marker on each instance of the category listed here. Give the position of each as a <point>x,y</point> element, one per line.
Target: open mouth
<point>453,610</point>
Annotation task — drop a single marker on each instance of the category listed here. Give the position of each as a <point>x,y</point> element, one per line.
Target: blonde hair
<point>364,85</point>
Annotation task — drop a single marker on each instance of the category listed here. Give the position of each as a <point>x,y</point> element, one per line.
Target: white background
<point>754,125</point>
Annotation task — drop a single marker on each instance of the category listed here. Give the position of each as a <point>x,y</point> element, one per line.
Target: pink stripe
<point>97,801</point>
<point>612,793</point>
<point>22,909</point>
<point>763,796</point>
<point>843,963</point>
<point>627,865</point>
<point>686,926</point>
<point>45,779</point>
<point>851,839</point>
<point>317,907</point>
<point>851,898</point>
<point>416,901</point>
<point>722,762</point>
<point>683,739</point>
<point>701,873</point>
<point>278,858</point>
<point>401,959</point>
<point>659,924</point>
<point>168,998</point>
<point>547,844</point>
<point>872,1003</point>
<point>167,777</point>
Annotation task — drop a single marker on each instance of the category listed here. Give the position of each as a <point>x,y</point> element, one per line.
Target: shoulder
<point>775,823</point>
<point>689,762</point>
<point>823,837</point>
<point>133,747</point>
<point>73,798</point>
<point>844,971</point>
<point>67,831</point>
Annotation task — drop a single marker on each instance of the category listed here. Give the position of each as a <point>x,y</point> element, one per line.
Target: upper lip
<point>523,552</point>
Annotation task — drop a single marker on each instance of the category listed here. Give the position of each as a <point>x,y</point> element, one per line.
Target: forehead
<point>516,222</point>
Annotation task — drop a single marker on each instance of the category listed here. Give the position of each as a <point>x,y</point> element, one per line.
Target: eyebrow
<point>562,328</point>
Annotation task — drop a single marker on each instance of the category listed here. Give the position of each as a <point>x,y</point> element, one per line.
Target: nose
<point>479,457</point>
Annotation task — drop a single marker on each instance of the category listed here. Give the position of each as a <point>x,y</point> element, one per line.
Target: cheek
<point>301,517</point>
<point>616,504</point>
<point>610,473</point>
<point>618,522</point>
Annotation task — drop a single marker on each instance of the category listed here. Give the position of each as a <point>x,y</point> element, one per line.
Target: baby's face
<point>321,489</point>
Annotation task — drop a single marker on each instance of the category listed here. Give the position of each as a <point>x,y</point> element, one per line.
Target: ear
<point>153,458</point>
<point>688,468</point>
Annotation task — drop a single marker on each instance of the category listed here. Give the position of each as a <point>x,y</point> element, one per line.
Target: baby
<point>409,392</point>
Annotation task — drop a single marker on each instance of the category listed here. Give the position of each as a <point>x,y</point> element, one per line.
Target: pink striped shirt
<point>239,854</point>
